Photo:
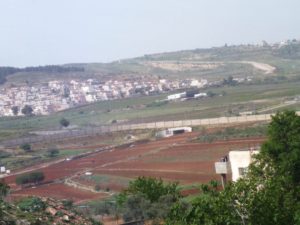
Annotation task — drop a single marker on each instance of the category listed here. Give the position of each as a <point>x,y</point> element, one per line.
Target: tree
<point>26,147</point>
<point>15,110</point>
<point>152,188</point>
<point>68,203</point>
<point>229,81</point>
<point>191,93</point>
<point>27,110</point>
<point>4,188</point>
<point>52,152</point>
<point>33,177</point>
<point>64,122</point>
<point>148,198</point>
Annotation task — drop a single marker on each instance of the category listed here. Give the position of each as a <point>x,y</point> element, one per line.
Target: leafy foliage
<point>4,188</point>
<point>64,122</point>
<point>52,152</point>
<point>148,199</point>
<point>33,177</point>
<point>15,110</point>
<point>68,203</point>
<point>26,147</point>
<point>31,204</point>
<point>27,110</point>
<point>152,188</point>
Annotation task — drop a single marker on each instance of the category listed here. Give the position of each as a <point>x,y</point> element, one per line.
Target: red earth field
<point>176,159</point>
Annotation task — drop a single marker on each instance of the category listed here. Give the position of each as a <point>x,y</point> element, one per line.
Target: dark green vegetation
<point>33,204</point>
<point>64,122</point>
<point>30,178</point>
<point>52,152</point>
<point>27,110</point>
<point>26,147</point>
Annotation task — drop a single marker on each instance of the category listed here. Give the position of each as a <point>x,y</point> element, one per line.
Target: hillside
<point>213,63</point>
<point>41,211</point>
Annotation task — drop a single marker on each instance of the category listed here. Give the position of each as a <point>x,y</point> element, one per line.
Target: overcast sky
<point>40,32</point>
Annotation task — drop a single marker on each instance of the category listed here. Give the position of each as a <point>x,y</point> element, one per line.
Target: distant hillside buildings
<point>59,95</point>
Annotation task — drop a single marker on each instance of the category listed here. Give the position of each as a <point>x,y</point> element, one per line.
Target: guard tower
<point>223,168</point>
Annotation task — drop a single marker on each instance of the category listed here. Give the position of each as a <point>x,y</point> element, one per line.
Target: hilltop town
<point>59,95</point>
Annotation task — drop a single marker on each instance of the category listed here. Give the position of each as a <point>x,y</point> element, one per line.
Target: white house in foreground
<point>236,164</point>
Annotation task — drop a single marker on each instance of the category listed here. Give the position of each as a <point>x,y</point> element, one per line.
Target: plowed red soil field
<point>59,191</point>
<point>175,158</point>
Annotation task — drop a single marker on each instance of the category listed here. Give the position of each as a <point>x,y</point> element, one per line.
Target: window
<point>243,171</point>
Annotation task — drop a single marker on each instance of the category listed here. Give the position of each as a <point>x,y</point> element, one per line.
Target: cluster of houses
<point>59,95</point>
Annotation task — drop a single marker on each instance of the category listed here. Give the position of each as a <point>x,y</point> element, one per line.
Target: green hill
<point>212,64</point>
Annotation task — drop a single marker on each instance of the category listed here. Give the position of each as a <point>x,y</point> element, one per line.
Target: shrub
<point>4,154</point>
<point>97,187</point>
<point>33,177</point>
<point>64,122</point>
<point>52,152</point>
<point>31,204</point>
<point>67,203</point>
<point>26,147</point>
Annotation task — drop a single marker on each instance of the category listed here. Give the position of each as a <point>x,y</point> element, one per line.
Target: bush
<point>26,147</point>
<point>31,204</point>
<point>27,178</point>
<point>64,122</point>
<point>4,154</point>
<point>68,204</point>
<point>52,152</point>
<point>97,187</point>
<point>27,110</point>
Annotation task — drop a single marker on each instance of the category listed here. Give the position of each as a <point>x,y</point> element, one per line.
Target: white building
<point>2,169</point>
<point>199,95</point>
<point>239,162</point>
<point>176,96</point>
<point>173,131</point>
<point>236,164</point>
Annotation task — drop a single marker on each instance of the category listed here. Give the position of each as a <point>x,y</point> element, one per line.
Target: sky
<point>44,32</point>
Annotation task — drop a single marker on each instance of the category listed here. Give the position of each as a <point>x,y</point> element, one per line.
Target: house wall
<point>239,159</point>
